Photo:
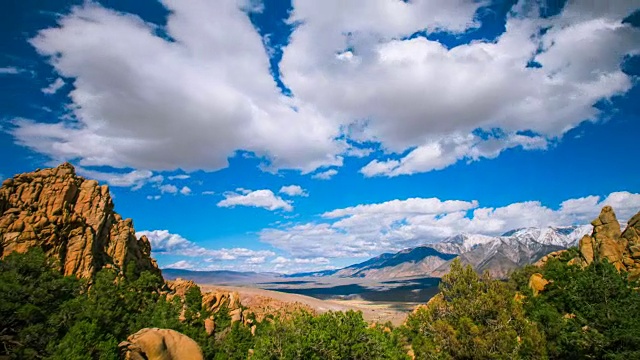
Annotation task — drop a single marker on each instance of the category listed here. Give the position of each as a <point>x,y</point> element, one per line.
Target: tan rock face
<point>160,344</point>
<point>214,301</point>
<point>607,242</point>
<point>209,326</point>
<point>537,283</point>
<point>179,287</point>
<point>72,220</point>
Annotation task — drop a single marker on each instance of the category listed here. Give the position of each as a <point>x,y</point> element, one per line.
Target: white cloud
<point>197,100</point>
<point>449,150</point>
<point>358,152</point>
<point>153,197</point>
<point>259,198</point>
<point>316,260</point>
<point>293,190</point>
<point>280,260</point>
<point>9,70</point>
<point>355,73</point>
<point>208,192</point>
<point>185,190</point>
<point>165,243</point>
<point>182,265</point>
<point>168,189</point>
<point>364,230</point>
<point>179,177</point>
<point>293,265</point>
<point>255,260</point>
<point>135,179</point>
<point>54,87</point>
<point>418,94</point>
<point>325,175</point>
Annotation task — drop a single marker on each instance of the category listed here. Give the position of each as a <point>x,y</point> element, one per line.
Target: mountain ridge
<point>497,254</point>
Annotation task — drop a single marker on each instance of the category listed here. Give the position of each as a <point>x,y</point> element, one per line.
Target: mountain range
<point>497,254</point>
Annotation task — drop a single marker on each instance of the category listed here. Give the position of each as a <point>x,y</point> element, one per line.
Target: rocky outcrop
<point>216,300</point>
<point>607,242</point>
<point>179,287</point>
<point>212,301</point>
<point>537,283</point>
<point>72,220</point>
<point>160,344</point>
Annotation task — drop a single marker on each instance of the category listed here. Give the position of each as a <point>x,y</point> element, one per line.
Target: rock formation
<point>537,283</point>
<point>179,287</point>
<point>212,301</point>
<point>606,242</point>
<point>72,220</point>
<point>160,344</point>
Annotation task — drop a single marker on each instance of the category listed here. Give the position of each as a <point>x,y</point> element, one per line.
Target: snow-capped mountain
<point>502,254</point>
<point>562,236</point>
<point>497,254</point>
<point>462,243</point>
<point>565,236</point>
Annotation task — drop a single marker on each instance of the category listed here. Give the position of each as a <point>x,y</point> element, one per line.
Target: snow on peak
<point>564,236</point>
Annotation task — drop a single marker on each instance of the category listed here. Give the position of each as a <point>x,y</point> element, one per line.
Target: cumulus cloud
<point>185,190</point>
<point>325,175</point>
<point>416,94</point>
<point>181,265</point>
<point>179,177</point>
<point>448,150</point>
<point>54,87</point>
<point>165,243</point>
<point>368,229</point>
<point>355,74</point>
<point>292,265</point>
<point>168,189</point>
<point>293,190</point>
<point>135,179</point>
<point>153,197</point>
<point>280,260</point>
<point>265,199</point>
<point>255,260</point>
<point>196,102</point>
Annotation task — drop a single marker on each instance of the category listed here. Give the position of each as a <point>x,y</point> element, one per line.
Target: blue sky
<point>289,136</point>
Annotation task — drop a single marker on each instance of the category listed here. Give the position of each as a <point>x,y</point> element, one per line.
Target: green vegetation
<point>474,318</point>
<point>590,313</point>
<point>585,314</point>
<point>333,335</point>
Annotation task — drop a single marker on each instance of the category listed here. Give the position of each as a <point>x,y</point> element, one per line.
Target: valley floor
<point>373,311</point>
